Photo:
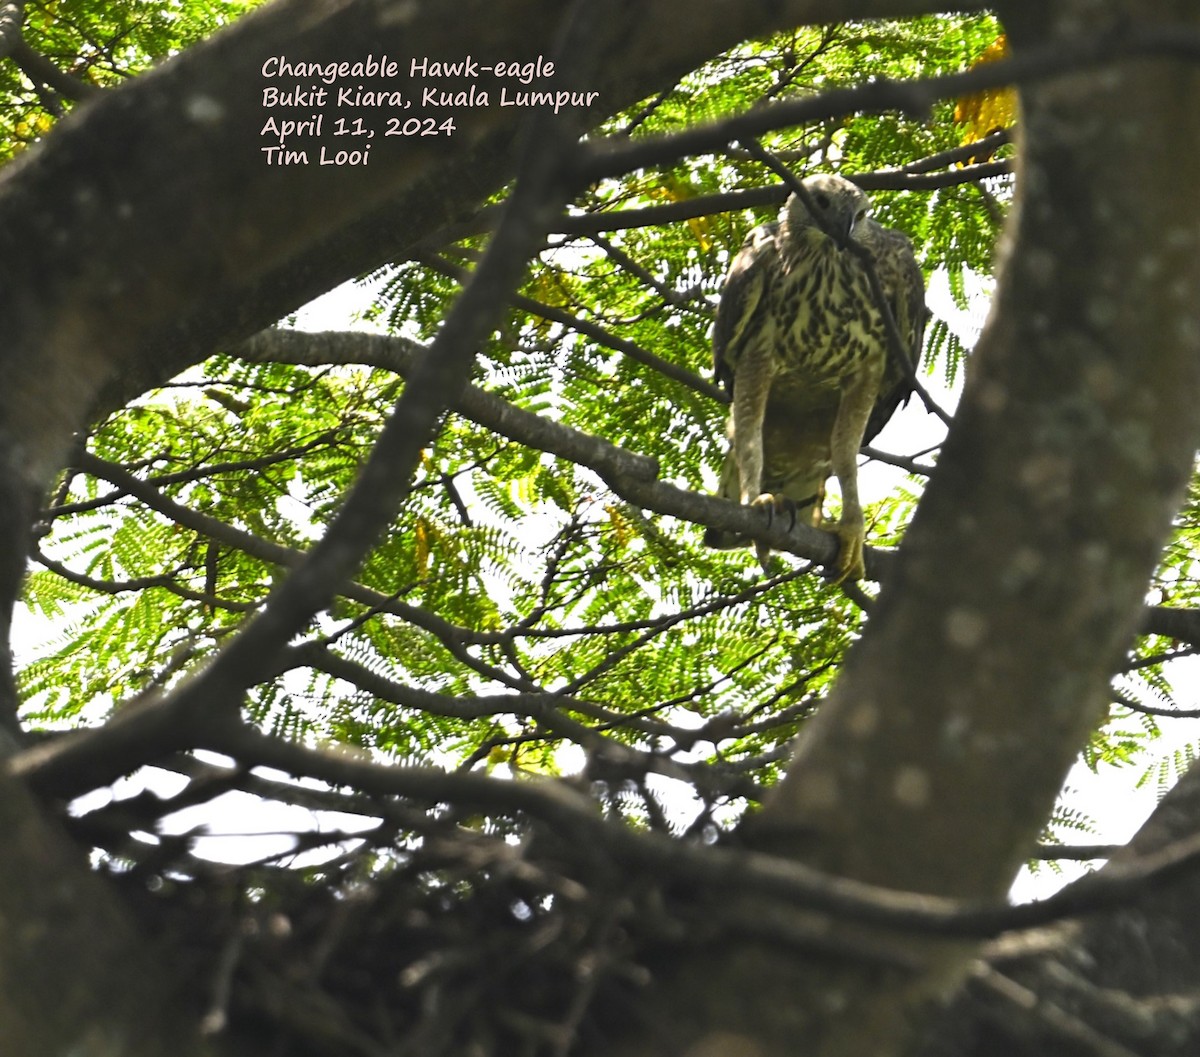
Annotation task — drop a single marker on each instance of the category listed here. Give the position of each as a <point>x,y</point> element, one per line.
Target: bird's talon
<point>772,505</point>
<point>763,554</point>
<point>765,503</point>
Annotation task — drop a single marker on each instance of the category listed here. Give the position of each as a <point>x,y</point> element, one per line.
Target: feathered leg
<point>755,371</point>
<point>855,408</point>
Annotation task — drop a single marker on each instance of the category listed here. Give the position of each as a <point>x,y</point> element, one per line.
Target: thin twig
<point>719,868</point>
<point>607,158</point>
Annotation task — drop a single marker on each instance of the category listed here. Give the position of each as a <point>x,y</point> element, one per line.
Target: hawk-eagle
<point>802,347</point>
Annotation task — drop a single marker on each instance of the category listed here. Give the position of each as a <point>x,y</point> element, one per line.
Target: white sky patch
<point>965,323</point>
<point>342,308</point>
<point>239,828</point>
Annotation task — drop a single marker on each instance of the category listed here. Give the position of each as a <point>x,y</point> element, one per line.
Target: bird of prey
<point>802,347</point>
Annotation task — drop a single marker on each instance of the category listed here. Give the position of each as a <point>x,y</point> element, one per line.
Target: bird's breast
<point>823,320</point>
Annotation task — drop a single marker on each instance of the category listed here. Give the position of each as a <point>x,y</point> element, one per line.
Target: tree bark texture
<point>146,231</point>
<point>937,760</point>
<point>75,975</point>
<point>1128,977</point>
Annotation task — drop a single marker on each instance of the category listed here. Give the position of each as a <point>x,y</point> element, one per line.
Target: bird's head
<point>841,205</point>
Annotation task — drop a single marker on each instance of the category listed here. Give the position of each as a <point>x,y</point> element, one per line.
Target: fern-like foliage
<point>518,612</point>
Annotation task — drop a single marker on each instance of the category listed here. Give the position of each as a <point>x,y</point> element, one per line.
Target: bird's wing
<point>748,278</point>
<point>904,287</point>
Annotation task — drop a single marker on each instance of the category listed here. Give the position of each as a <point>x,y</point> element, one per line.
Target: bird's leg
<point>755,371</point>
<point>848,428</point>
<point>749,410</point>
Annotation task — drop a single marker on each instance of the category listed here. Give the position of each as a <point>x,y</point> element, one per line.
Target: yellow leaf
<point>672,189</point>
<point>621,527</point>
<point>549,288</point>
<point>524,489</point>
<point>421,545</point>
<point>700,229</point>
<point>988,111</point>
<point>533,762</point>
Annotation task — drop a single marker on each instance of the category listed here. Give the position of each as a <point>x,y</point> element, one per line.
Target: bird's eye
<point>822,200</point>
<point>860,215</point>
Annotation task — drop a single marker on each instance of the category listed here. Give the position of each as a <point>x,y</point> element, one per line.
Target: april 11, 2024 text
<point>380,102</point>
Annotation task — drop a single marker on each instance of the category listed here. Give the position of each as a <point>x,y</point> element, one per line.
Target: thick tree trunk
<point>1125,978</point>
<point>75,976</point>
<point>936,761</point>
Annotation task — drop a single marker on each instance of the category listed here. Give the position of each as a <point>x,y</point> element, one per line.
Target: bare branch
<point>611,158</point>
<point>630,475</point>
<point>165,581</point>
<point>598,334</point>
<point>721,868</point>
<point>902,179</point>
<point>1062,1024</point>
<point>1079,852</point>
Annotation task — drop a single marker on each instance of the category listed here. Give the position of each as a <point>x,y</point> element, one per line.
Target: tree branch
<point>598,334</point>
<point>630,475</point>
<point>721,868</point>
<point>614,157</point>
<point>902,179</point>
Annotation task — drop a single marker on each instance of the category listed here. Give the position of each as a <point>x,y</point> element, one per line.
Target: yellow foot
<point>850,551</point>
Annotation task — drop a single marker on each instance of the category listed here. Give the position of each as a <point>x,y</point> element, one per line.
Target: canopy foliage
<point>520,616</point>
<point>512,571</point>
